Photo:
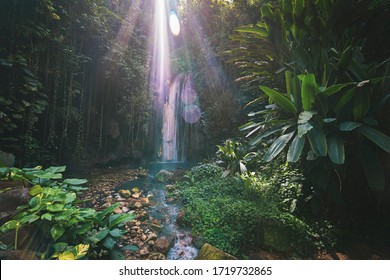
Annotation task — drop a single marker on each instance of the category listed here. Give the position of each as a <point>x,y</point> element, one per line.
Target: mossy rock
<point>125,193</point>
<point>209,252</point>
<point>164,176</point>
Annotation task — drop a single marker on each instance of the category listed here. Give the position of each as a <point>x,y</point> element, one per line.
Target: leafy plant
<point>69,231</point>
<point>325,103</point>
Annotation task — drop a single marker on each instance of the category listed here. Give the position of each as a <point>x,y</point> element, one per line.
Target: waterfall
<point>180,117</point>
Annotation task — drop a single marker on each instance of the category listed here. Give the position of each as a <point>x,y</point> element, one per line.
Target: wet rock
<point>209,252</point>
<point>145,201</point>
<point>144,237</point>
<point>117,210</point>
<point>135,195</point>
<point>106,205</point>
<point>135,190</point>
<point>138,205</point>
<point>125,193</point>
<point>151,236</point>
<point>163,244</point>
<point>170,200</point>
<point>164,176</point>
<point>125,209</point>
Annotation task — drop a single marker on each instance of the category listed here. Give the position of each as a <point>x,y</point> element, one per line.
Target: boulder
<point>135,190</point>
<point>164,176</point>
<point>198,241</point>
<point>11,199</point>
<point>209,252</point>
<point>163,244</point>
<point>145,201</point>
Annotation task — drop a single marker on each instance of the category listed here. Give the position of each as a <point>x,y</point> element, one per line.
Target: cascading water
<point>175,116</point>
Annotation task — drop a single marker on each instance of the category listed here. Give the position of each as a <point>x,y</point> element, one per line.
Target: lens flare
<point>191,114</point>
<point>174,23</point>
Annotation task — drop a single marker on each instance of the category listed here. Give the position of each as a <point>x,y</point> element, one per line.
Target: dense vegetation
<point>295,111</point>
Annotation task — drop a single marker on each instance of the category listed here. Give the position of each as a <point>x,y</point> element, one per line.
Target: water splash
<point>183,249</point>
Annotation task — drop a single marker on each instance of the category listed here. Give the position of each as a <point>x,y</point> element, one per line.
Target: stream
<point>164,211</point>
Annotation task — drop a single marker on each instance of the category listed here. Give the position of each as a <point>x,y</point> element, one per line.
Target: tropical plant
<point>325,101</point>
<point>66,230</point>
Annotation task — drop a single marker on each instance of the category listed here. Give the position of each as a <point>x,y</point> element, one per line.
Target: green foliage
<point>68,231</point>
<point>230,211</point>
<point>324,101</point>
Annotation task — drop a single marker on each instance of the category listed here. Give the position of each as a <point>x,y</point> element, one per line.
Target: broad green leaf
<point>35,190</point>
<point>344,99</point>
<point>296,147</point>
<point>305,116</point>
<point>335,88</point>
<point>108,210</point>
<point>70,197</point>
<point>309,91</point>
<point>48,175</point>
<point>118,219</point>
<point>66,256</point>
<point>349,126</point>
<point>57,231</point>
<point>248,125</point>
<point>345,59</point>
<point>280,99</point>
<point>298,7</point>
<point>10,225</point>
<point>102,234</point>
<point>382,140</point>
<point>372,168</point>
<point>47,216</point>
<point>75,182</point>
<point>116,233</point>
<point>81,250</point>
<point>277,146</point>
<point>336,149</point>
<point>83,228</point>
<point>304,128</point>
<point>317,140</point>
<point>34,201</point>
<point>55,169</point>
<point>55,207</point>
<point>60,246</point>
<point>109,243</point>
<point>264,134</point>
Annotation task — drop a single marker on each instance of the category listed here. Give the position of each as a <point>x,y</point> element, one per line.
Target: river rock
<point>125,193</point>
<point>135,190</point>
<point>164,176</point>
<point>138,205</point>
<point>125,209</point>
<point>118,210</point>
<point>198,241</point>
<point>151,236</point>
<point>145,201</point>
<point>135,195</point>
<point>209,252</point>
<point>163,244</point>
<point>156,256</point>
